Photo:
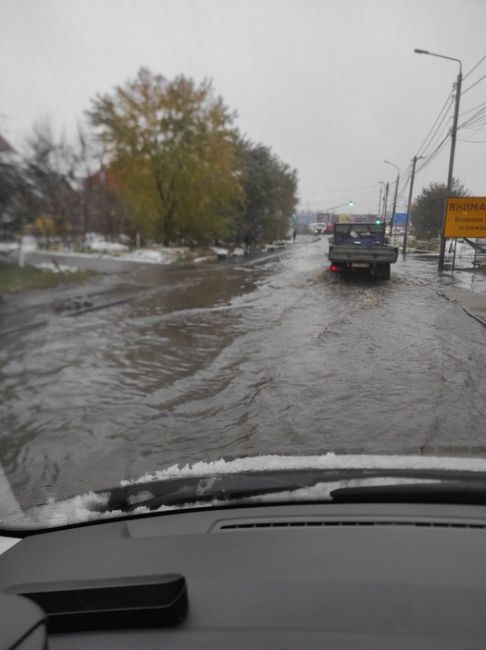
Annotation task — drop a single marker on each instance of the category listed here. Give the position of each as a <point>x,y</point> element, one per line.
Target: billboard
<point>400,218</point>
<point>465,216</point>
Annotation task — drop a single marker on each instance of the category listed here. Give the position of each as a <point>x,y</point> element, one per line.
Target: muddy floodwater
<point>229,360</point>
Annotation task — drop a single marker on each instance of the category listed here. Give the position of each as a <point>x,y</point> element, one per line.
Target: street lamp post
<point>395,195</point>
<point>343,205</point>
<point>453,149</point>
<point>335,207</point>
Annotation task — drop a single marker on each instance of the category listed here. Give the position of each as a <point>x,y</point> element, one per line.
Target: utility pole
<point>379,201</point>
<point>387,162</point>
<point>453,147</point>
<point>385,201</point>
<point>409,207</point>
<point>394,204</point>
<point>451,167</point>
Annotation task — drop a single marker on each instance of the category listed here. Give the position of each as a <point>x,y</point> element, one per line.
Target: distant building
<point>102,178</point>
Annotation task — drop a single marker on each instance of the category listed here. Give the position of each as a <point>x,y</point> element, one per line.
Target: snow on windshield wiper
<point>328,462</point>
<point>251,488</point>
<point>300,486</point>
<point>203,490</point>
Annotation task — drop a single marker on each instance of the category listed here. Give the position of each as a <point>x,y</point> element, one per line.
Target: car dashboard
<point>281,576</point>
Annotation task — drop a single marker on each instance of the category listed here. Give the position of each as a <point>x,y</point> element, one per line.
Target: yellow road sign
<point>466,216</point>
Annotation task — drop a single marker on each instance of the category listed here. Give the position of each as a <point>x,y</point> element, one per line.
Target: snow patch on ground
<point>100,244</point>
<point>228,252</point>
<point>29,243</point>
<point>96,246</point>
<point>8,247</point>
<point>237,252</point>
<point>154,255</point>
<point>56,268</point>
<point>101,248</point>
<point>220,252</point>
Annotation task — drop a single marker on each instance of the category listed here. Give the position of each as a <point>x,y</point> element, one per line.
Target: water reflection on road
<point>223,361</point>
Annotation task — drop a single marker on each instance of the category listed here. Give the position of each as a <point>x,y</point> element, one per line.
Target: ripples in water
<point>223,362</point>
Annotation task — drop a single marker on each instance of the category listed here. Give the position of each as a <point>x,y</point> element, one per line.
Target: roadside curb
<point>475,316</point>
<point>460,299</point>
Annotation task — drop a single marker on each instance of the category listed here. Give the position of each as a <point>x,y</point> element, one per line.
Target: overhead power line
<point>470,110</point>
<point>406,181</point>
<point>434,154</point>
<point>479,116</point>
<point>442,131</point>
<point>437,129</point>
<point>474,84</point>
<point>438,121</point>
<point>474,67</point>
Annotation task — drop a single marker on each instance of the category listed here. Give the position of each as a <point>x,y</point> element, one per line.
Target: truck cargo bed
<point>356,253</point>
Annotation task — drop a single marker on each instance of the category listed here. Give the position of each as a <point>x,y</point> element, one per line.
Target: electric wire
<point>437,129</point>
<point>441,134</point>
<point>436,125</point>
<point>474,67</point>
<point>470,110</point>
<point>472,85</point>
<point>480,115</point>
<point>433,155</point>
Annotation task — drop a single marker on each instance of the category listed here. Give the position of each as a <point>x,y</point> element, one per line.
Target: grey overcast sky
<point>332,86</point>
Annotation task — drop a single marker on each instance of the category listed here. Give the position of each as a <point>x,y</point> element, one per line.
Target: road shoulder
<point>472,302</point>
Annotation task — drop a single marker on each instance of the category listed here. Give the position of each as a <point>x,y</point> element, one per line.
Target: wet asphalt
<point>152,366</point>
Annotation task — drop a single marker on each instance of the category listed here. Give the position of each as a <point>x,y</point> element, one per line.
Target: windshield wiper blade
<point>299,485</point>
<point>444,491</point>
<point>178,492</point>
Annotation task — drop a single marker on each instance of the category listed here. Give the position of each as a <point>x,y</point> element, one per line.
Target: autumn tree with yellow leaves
<point>174,150</point>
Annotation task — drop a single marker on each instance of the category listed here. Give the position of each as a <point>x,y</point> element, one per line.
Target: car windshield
<point>237,237</point>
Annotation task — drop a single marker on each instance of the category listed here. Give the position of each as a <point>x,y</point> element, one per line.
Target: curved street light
<point>336,207</point>
<point>440,56</point>
<point>453,148</point>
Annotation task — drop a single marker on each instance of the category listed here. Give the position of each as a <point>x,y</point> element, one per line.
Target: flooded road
<point>224,361</point>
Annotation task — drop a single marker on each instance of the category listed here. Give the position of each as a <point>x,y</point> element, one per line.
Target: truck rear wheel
<point>383,271</point>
